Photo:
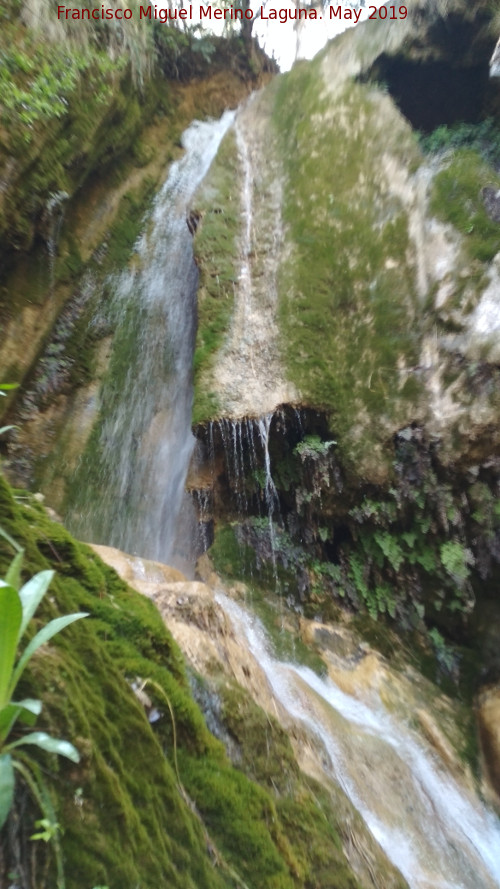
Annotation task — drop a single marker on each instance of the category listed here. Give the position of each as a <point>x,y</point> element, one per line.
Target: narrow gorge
<point>254,322</point>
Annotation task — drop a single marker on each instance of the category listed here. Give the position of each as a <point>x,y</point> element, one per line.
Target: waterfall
<point>136,490</point>
<point>437,834</point>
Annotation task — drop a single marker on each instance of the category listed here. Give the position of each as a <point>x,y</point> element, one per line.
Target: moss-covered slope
<point>126,816</point>
<point>348,297</point>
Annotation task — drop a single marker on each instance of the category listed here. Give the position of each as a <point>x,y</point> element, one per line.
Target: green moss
<point>130,824</point>
<point>346,289</point>
<point>242,817</point>
<point>303,819</point>
<point>126,819</point>
<point>234,560</point>
<point>456,198</point>
<point>216,252</point>
<point>309,818</point>
<point>265,752</point>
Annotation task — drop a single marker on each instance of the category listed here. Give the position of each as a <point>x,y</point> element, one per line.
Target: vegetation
<point>48,84</point>
<point>456,198</point>
<point>217,254</point>
<point>483,137</point>
<point>347,293</point>
<point>17,607</point>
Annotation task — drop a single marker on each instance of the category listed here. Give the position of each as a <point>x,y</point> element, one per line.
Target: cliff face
<point>387,265</point>
<point>90,119</point>
<point>384,461</point>
<point>346,408</point>
<point>349,275</point>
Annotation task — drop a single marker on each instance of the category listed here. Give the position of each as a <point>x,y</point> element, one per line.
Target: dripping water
<point>270,492</point>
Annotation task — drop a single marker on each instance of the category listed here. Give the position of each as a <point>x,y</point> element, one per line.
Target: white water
<point>437,834</point>
<point>145,441</point>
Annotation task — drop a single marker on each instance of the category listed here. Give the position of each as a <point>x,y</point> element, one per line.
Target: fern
<point>390,548</point>
<point>455,559</point>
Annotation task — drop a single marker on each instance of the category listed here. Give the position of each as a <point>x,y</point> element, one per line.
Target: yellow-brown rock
<point>489,734</point>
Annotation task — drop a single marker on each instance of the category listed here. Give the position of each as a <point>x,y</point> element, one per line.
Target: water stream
<point>145,440</point>
<point>436,833</point>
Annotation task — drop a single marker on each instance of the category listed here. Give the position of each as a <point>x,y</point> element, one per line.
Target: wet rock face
<point>424,550</point>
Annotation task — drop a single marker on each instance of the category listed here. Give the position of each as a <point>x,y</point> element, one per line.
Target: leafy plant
<point>445,655</point>
<point>390,548</point>
<point>312,446</point>
<point>17,606</point>
<point>483,137</point>
<point>455,559</point>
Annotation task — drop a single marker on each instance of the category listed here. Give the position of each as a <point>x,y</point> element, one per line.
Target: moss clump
<point>216,253</point>
<point>456,198</point>
<point>347,294</point>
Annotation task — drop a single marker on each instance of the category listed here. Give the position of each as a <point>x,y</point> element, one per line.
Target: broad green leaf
<point>46,742</point>
<point>6,787</point>
<point>11,614</point>
<point>31,594</point>
<point>13,576</point>
<point>46,633</point>
<point>26,710</point>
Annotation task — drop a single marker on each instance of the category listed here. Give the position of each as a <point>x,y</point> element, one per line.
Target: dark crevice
<point>432,94</point>
<point>443,79</point>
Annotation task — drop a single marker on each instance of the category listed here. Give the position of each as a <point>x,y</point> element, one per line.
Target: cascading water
<point>145,441</point>
<point>434,832</point>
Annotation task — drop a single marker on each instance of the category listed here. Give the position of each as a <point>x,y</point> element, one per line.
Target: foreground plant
<point>17,607</point>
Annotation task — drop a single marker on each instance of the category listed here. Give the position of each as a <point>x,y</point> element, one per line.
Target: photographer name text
<point>230,13</point>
